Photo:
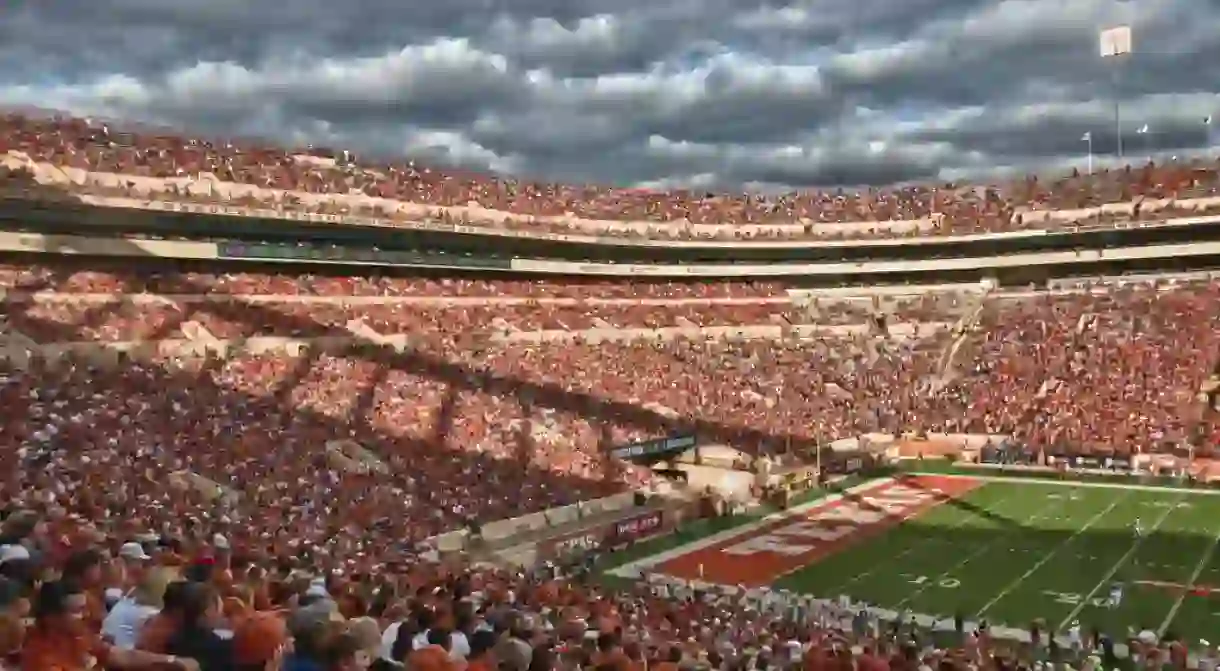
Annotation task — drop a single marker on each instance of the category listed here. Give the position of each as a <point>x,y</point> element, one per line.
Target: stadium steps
<point>352,457</point>
<point>212,490</point>
<point>197,332</point>
<point>962,331</point>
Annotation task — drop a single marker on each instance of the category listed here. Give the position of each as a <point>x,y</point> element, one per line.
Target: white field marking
<point>1105,579</point>
<point>839,588</point>
<point>1071,483</point>
<point>1042,512</point>
<point>1194,578</point>
<point>922,510</point>
<point>1049,555</point>
<point>636,568</point>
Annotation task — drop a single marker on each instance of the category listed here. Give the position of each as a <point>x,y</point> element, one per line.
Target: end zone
<point>757,554</point>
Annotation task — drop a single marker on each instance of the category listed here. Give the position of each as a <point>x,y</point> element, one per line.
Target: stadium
<point>376,410</point>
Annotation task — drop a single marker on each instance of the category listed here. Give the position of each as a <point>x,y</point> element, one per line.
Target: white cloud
<point>672,92</point>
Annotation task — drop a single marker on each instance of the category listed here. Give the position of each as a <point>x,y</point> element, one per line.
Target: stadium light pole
<point>1115,45</point>
<point>1088,140</point>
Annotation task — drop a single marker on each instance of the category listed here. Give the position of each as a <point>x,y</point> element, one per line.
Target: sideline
<point>636,568</point>
<point>1069,483</point>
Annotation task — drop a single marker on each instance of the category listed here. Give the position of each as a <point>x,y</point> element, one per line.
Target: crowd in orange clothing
<point>338,182</point>
<point>500,402</point>
<point>471,428</point>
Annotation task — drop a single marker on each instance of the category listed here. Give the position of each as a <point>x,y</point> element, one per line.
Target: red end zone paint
<point>761,556</point>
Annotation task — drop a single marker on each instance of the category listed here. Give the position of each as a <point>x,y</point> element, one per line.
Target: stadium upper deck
<point>105,167</point>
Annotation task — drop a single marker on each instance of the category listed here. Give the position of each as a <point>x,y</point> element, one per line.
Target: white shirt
<point>387,641</point>
<point>459,645</point>
<point>123,622</point>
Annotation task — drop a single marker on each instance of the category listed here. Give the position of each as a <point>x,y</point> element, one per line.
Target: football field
<point>1008,551</point>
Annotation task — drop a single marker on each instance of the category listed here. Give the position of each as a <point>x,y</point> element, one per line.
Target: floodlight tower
<point>1115,46</point>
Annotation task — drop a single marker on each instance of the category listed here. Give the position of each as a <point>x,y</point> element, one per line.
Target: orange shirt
<point>50,650</point>
<point>95,609</point>
<point>816,659</point>
<point>429,658</point>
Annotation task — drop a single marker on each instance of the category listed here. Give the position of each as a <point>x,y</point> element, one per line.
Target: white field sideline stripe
<point>980,551</point>
<point>1194,578</point>
<point>1135,545</point>
<point>636,568</point>
<point>1048,556</point>
<point>1069,483</point>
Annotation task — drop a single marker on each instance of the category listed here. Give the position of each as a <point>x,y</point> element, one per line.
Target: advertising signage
<point>654,448</point>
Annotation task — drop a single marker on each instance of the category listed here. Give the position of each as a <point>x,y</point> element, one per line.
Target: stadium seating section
<point>492,398</point>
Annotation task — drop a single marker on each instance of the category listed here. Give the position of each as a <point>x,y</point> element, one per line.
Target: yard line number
<point>1074,599</point>
<point>926,581</point>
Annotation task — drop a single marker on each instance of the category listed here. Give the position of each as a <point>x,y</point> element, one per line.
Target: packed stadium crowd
<point>503,399</point>
<point>161,164</point>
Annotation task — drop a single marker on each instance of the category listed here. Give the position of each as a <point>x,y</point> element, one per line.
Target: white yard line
<point>1072,483</point>
<point>636,568</point>
<point>1105,580</point>
<point>891,560</point>
<point>1048,556</point>
<point>986,547</point>
<point>1194,578</point>
<point>901,555</point>
<point>923,510</point>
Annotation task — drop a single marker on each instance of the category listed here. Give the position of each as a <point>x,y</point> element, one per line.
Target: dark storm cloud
<point>701,93</point>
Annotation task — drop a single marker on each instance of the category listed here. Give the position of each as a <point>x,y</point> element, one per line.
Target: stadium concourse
<point>187,417</point>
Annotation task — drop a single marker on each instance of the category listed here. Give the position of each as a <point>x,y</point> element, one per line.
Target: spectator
<point>196,637</point>
<point>311,629</point>
<point>341,652</point>
<point>158,629</point>
<point>12,634</point>
<point>435,655</point>
<point>14,599</point>
<point>60,639</point>
<point>482,655</point>
<point>260,643</point>
<point>124,622</point>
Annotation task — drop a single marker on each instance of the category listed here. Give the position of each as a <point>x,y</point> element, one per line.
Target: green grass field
<point>1012,552</point>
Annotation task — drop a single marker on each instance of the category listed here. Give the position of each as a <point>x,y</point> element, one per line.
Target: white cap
<point>220,542</point>
<point>133,550</point>
<point>317,589</point>
<point>10,552</point>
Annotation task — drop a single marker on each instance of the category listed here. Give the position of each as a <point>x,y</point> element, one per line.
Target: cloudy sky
<point>643,92</point>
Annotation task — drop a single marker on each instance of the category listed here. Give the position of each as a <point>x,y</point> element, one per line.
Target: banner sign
<point>651,448</point>
<point>615,534</point>
<point>635,528</point>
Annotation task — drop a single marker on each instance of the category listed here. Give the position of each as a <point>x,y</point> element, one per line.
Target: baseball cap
<point>133,550</point>
<point>11,552</point>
